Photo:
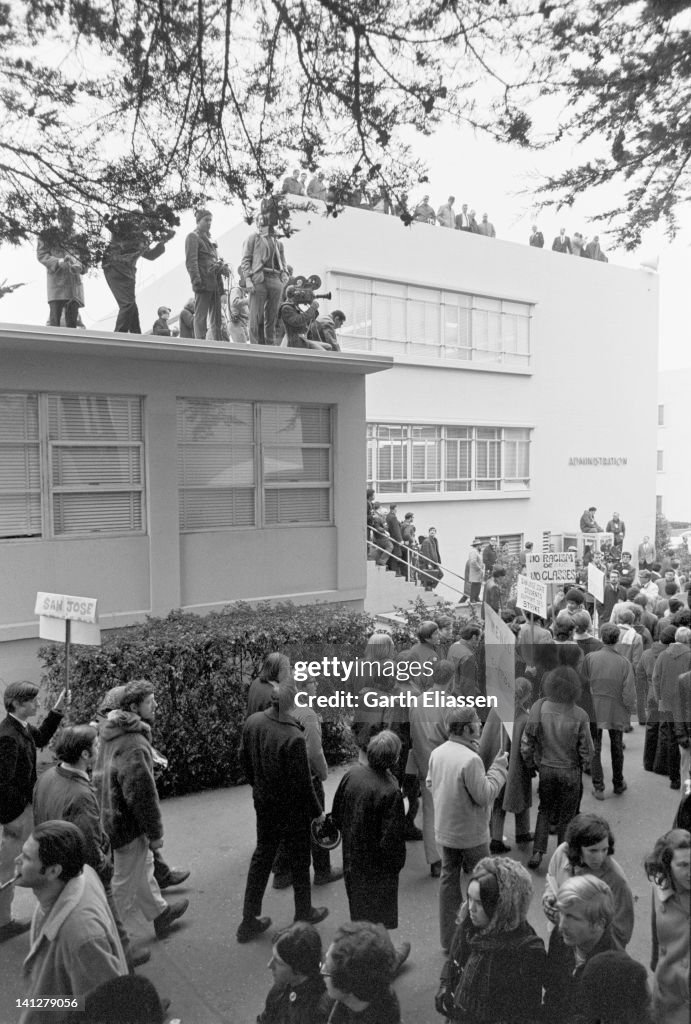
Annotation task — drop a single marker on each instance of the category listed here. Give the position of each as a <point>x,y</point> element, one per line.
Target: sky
<point>489,176</point>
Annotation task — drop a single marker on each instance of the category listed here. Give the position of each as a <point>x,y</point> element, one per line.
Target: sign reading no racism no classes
<point>552,566</point>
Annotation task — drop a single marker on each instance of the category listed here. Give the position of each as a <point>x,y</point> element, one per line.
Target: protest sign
<point>500,665</point>
<point>531,596</point>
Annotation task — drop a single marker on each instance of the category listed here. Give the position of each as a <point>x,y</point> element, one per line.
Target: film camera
<point>303,290</point>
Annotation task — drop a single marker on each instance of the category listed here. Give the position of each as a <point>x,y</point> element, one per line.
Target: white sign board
<point>62,606</point>
<point>532,596</point>
<point>596,582</point>
<point>500,664</point>
<point>552,566</point>
<point>80,632</point>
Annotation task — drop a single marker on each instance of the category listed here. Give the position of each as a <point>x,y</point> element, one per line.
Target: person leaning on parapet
<point>316,187</point>
<point>264,270</point>
<point>462,222</point>
<point>205,268</point>
<point>324,329</point>
<point>129,241</point>
<point>18,742</point>
<point>594,252</point>
<point>562,243</point>
<point>486,228</point>
<point>445,214</point>
<point>537,239</point>
<point>291,184</point>
<point>57,251</point>
<point>424,213</point>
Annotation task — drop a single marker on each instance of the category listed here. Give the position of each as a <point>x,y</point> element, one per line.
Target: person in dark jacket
<point>18,743</point>
<point>585,907</point>
<point>358,968</point>
<point>393,525</point>
<point>274,758</point>
<point>368,809</point>
<point>130,809</point>
<point>130,240</point>
<point>161,328</point>
<point>186,319</point>
<point>557,742</point>
<point>429,560</point>
<point>298,994</point>
<point>496,965</point>
<point>64,793</point>
<point>298,314</point>
<point>205,270</point>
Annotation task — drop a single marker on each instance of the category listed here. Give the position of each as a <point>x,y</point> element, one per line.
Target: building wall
<point>133,576</point>
<point>674,445</point>
<point>593,337</point>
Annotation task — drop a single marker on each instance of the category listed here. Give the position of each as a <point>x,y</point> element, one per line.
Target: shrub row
<point>201,668</point>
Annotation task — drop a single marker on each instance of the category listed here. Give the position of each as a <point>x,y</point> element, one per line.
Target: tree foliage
<point>108,103</point>
<point>624,67</point>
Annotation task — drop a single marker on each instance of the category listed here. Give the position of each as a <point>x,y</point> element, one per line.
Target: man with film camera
<point>206,272</point>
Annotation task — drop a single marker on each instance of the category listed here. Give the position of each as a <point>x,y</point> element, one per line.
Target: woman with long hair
<point>496,965</point>
<point>669,869</point>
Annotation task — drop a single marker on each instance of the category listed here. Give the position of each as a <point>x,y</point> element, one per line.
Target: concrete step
<point>386,591</point>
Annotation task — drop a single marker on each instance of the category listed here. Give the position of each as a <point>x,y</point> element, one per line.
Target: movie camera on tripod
<point>303,290</point>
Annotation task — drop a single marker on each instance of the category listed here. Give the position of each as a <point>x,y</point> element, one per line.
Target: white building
<point>674,445</point>
<point>500,415</point>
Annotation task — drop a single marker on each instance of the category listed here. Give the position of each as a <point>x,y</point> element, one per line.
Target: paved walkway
<point>213,980</point>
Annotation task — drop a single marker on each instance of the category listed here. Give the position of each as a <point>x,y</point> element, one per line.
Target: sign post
<point>68,620</point>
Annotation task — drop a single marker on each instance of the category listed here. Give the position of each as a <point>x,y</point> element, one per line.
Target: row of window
<point>417,459</point>
<point>402,319</point>
<point>74,464</point>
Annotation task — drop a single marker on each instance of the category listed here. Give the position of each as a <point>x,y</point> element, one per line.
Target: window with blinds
<point>71,465</point>
<point>416,458</point>
<point>245,464</point>
<point>393,317</point>
<point>20,467</point>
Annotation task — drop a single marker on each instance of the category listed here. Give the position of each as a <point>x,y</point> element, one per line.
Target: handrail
<point>420,572</point>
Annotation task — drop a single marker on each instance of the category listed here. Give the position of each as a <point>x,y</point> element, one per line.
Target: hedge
<point>201,668</point>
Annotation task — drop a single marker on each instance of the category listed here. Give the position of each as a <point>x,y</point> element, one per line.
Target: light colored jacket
<point>446,216</point>
<point>256,255</point>
<point>476,568</point>
<point>64,278</point>
<point>560,871</point>
<point>462,793</point>
<point>73,948</point>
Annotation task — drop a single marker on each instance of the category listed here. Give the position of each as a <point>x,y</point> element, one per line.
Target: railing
<point>418,571</point>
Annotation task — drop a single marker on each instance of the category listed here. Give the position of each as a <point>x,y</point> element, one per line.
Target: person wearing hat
<point>463,794</point>
<point>205,268</point>
<point>298,994</point>
<point>475,570</point>
<point>496,967</point>
<point>161,327</point>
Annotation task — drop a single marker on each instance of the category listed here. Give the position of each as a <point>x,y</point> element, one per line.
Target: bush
<point>201,668</point>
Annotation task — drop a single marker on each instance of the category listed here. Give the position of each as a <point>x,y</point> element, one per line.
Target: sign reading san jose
<point>62,606</point>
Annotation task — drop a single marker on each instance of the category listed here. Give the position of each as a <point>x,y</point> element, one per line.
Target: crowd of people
<point>86,835</point>
<point>364,197</point>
